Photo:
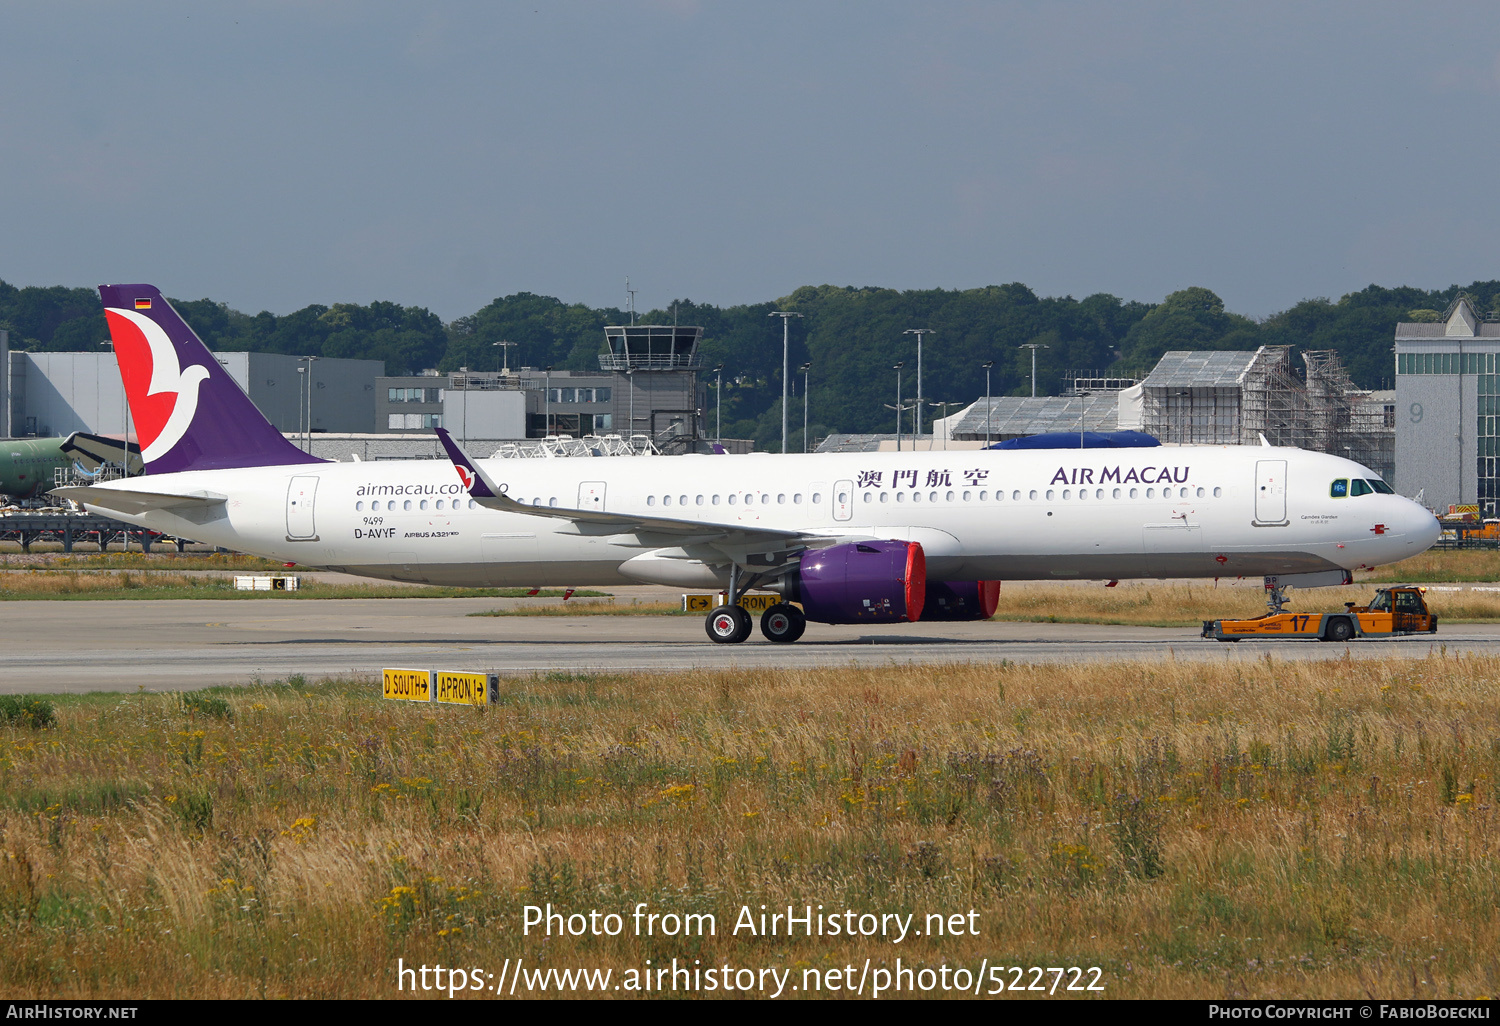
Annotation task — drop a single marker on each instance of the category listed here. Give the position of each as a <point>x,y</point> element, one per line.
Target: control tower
<point>659,397</point>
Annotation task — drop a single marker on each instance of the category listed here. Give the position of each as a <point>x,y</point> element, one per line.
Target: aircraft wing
<point>135,501</point>
<point>487,493</point>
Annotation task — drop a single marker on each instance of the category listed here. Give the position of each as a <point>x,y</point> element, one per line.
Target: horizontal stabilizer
<point>134,501</point>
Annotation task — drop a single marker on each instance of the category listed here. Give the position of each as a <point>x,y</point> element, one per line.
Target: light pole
<point>804,369</point>
<point>505,354</point>
<point>547,402</point>
<point>988,365</point>
<point>310,360</point>
<point>1033,346</point>
<point>897,369</point>
<point>719,403</point>
<point>786,317</point>
<point>947,428</point>
<point>919,332</point>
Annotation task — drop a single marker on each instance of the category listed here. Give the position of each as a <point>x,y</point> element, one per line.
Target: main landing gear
<point>782,623</point>
<point>730,624</point>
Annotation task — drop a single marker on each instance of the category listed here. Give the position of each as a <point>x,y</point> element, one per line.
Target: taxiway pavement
<point>52,646</point>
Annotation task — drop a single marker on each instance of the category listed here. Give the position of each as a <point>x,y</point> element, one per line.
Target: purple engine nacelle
<point>864,582</point>
<point>961,600</point>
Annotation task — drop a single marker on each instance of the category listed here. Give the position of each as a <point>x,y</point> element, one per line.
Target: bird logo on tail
<point>163,395</point>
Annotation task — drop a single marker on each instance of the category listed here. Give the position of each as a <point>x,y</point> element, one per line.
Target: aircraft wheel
<point>1340,630</point>
<point>783,623</point>
<point>728,625</point>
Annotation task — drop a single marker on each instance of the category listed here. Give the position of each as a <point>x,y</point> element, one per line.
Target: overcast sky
<point>443,154</point>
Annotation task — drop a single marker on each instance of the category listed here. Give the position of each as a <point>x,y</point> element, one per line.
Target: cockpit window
<point>1358,487</point>
<point>1381,487</point>
<point>1340,488</point>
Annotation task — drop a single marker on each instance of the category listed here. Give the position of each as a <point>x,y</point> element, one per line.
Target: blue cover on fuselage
<point>1081,440</point>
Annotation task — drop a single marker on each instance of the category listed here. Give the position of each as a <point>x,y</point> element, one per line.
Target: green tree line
<point>851,336</point>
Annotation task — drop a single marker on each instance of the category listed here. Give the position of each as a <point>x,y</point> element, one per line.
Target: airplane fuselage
<point>1172,511</point>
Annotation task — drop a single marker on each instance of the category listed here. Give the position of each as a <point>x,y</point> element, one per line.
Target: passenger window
<point>1218,492</point>
<point>1358,487</point>
<point>1049,494</point>
<point>1340,488</point>
<point>883,496</point>
<point>651,500</point>
<point>716,500</point>
<point>406,504</point>
<point>358,506</point>
<point>817,497</point>
<point>1033,495</point>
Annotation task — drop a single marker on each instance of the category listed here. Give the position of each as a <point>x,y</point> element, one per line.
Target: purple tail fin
<point>189,413</point>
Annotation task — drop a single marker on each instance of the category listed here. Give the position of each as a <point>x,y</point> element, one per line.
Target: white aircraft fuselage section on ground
<point>1170,511</point>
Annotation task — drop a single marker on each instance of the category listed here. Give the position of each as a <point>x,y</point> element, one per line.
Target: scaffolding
<point>1229,398</point>
<point>1274,402</point>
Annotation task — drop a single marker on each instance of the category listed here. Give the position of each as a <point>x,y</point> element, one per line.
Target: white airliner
<point>843,538</point>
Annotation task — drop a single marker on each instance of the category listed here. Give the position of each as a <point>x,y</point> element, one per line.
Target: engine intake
<point>863,582</point>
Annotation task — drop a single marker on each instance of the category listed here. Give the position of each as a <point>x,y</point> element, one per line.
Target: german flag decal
<point>143,304</point>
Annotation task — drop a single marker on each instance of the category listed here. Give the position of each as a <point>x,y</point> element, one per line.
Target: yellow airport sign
<point>708,603</point>
<point>458,687</point>
<point>406,685</point>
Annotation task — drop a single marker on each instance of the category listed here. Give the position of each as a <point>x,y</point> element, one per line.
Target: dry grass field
<point>1308,829</point>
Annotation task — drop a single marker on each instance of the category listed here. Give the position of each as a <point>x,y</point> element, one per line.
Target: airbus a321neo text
<point>842,538</point>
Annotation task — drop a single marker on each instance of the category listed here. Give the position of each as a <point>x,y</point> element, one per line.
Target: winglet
<point>475,481</point>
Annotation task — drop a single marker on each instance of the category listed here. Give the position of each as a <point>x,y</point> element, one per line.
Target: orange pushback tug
<point>1393,612</point>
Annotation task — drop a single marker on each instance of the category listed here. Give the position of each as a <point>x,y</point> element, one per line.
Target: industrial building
<point>1201,398</point>
<point>1446,403</point>
<point>646,388</point>
<point>48,394</point>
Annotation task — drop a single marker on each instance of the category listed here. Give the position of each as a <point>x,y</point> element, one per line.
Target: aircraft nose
<point>1421,526</point>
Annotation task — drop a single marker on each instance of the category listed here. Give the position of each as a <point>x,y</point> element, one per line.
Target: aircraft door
<point>1270,492</point>
<point>843,500</point>
<point>591,496</point>
<point>300,496</point>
